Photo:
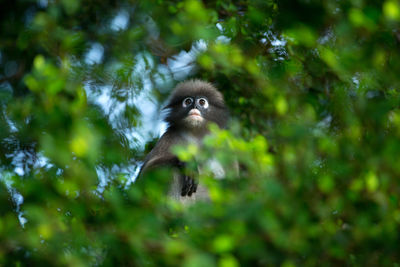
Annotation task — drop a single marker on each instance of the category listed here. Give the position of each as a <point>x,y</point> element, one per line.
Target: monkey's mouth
<point>194,113</point>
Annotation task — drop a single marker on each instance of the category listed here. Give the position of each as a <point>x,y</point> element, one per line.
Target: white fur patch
<point>191,139</point>
<point>194,121</point>
<point>216,168</point>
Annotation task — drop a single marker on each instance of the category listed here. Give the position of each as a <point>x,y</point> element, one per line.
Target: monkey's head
<point>195,103</point>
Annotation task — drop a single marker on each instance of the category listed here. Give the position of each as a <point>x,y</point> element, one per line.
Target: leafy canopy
<point>313,90</point>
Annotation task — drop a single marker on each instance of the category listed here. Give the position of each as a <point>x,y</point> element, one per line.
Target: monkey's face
<point>193,105</point>
<point>194,110</point>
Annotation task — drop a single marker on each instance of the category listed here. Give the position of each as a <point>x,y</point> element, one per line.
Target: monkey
<point>192,105</point>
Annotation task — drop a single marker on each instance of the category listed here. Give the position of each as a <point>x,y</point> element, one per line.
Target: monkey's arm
<point>161,155</point>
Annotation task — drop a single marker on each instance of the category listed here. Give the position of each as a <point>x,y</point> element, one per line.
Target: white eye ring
<point>187,102</point>
<point>202,102</point>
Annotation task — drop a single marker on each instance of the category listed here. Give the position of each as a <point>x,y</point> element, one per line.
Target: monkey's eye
<point>187,102</point>
<point>202,102</point>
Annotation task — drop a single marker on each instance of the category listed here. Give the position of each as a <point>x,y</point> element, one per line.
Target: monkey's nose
<point>194,112</point>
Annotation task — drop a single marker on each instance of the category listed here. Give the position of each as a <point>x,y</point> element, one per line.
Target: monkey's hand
<point>189,185</point>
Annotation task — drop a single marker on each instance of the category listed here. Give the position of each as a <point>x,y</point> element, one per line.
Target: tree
<point>313,90</point>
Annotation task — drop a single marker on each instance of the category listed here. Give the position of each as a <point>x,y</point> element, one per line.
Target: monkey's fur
<point>187,124</point>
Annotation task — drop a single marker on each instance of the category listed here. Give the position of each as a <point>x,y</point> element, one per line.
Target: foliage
<point>313,89</point>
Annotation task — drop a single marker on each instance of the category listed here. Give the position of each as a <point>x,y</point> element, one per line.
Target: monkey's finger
<point>195,187</point>
<point>183,192</point>
<point>185,186</point>
<point>190,186</point>
<point>190,189</point>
